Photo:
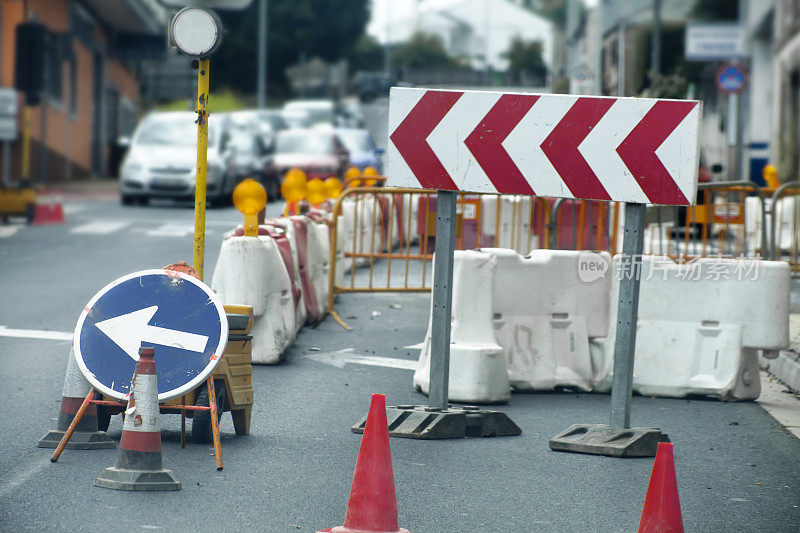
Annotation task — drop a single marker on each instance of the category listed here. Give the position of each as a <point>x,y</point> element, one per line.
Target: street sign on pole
<point>731,78</point>
<point>714,41</point>
<point>172,311</point>
<point>633,150</point>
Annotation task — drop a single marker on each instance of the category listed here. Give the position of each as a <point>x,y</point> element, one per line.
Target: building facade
<point>91,89</point>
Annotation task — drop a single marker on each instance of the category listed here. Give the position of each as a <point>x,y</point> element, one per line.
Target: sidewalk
<point>780,382</point>
<point>100,188</point>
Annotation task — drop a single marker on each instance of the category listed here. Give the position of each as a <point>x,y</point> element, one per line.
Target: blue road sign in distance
<point>173,312</point>
<point>731,78</point>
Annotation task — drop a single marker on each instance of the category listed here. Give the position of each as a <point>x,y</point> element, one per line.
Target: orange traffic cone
<point>662,508</point>
<point>373,504</point>
<point>139,465</point>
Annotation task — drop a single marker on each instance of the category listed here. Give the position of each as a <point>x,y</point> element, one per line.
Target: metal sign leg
<point>442,298</point>
<point>439,420</point>
<point>618,439</point>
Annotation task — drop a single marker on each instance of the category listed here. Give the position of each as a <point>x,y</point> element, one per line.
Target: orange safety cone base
<point>662,508</point>
<point>372,506</point>
<point>80,440</point>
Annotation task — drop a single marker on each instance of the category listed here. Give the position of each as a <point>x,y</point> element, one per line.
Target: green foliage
<point>422,51</point>
<point>367,54</point>
<point>219,102</point>
<point>328,29</point>
<point>525,56</point>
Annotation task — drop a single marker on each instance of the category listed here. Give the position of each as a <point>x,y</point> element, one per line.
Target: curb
<point>786,368</point>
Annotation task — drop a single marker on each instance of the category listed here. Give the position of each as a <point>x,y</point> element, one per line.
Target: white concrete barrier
<point>700,326</point>
<point>545,310</point>
<point>477,367</point>
<point>251,271</point>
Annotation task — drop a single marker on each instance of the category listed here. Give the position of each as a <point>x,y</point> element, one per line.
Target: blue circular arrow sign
<point>171,311</point>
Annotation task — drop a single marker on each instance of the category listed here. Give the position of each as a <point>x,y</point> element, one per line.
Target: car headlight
<point>133,171</point>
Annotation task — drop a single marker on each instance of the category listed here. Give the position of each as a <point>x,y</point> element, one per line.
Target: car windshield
<point>304,143</point>
<point>275,120</point>
<point>242,141</point>
<point>317,113</point>
<point>355,140</point>
<point>171,131</point>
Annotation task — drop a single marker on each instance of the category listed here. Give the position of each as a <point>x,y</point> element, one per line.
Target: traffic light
<point>30,61</point>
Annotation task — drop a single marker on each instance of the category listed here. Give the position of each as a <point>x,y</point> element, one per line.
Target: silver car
<point>162,159</point>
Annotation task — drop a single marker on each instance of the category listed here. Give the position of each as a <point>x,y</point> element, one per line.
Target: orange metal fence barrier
<point>382,239</point>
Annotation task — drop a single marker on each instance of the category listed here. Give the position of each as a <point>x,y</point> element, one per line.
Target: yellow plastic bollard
<point>250,197</point>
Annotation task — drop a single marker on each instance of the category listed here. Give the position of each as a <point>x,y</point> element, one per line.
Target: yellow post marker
<point>370,171</point>
<point>316,192</point>
<point>26,142</point>
<point>202,151</point>
<point>333,187</point>
<point>770,174</point>
<point>250,197</point>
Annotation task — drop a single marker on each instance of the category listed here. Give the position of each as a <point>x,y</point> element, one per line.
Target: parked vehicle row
<point>263,144</point>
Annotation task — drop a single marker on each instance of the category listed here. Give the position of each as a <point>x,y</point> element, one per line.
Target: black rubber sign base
<point>601,439</point>
<point>422,422</point>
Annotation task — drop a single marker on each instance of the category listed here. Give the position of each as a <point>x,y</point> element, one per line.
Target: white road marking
<point>174,230</point>
<point>100,227</point>
<point>36,334</point>
<point>8,231</point>
<point>340,358</point>
<point>22,477</point>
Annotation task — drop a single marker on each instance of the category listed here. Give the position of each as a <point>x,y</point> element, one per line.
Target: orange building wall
<point>68,136</point>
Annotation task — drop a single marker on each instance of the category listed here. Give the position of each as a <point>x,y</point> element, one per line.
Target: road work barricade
<point>477,367</point>
<point>251,271</point>
<point>539,312</point>
<point>391,234</point>
<point>700,326</point>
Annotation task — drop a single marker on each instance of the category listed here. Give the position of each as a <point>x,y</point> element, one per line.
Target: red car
<point>318,152</point>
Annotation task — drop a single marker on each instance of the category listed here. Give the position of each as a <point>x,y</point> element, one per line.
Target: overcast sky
<point>383,10</point>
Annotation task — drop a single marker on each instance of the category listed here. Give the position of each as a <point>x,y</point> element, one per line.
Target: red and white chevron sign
<point>636,150</point>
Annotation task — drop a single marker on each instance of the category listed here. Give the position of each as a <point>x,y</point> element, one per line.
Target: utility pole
<point>655,43</point>
<point>261,88</point>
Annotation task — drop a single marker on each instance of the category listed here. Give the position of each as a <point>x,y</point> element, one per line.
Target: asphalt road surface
<point>737,468</point>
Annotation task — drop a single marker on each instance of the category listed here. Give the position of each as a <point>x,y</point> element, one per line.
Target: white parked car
<point>162,159</point>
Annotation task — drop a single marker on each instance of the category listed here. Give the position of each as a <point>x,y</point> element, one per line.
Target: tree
<point>525,57</point>
<point>423,50</point>
<point>367,54</point>
<point>328,29</point>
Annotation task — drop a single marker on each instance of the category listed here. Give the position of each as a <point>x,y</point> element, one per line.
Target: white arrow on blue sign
<point>181,317</point>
